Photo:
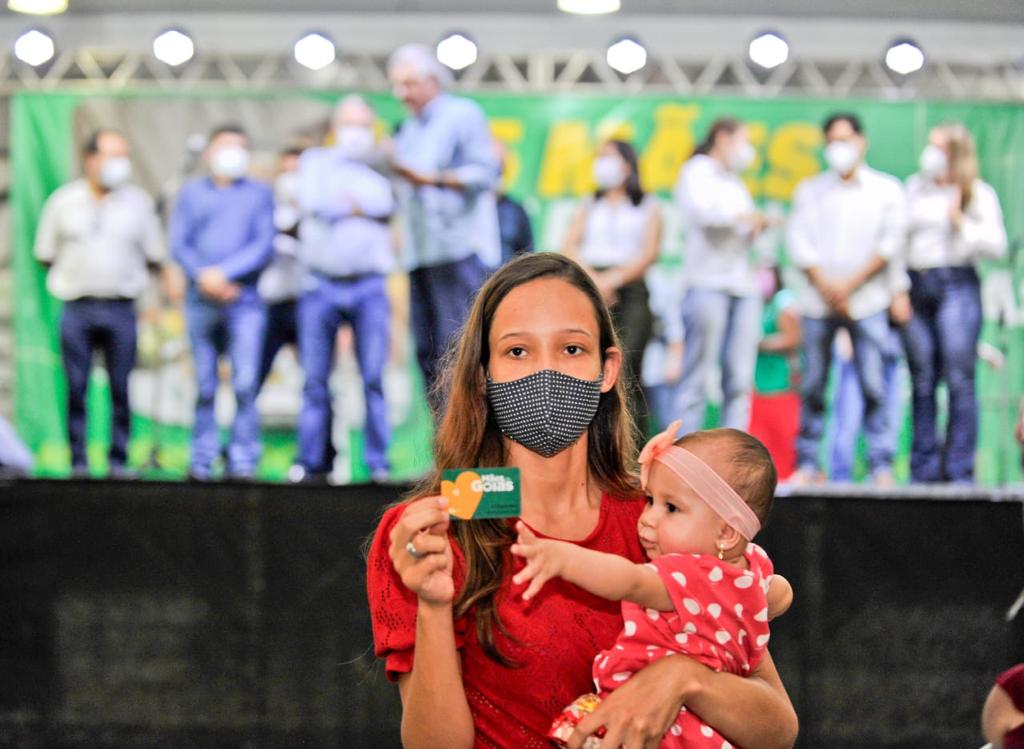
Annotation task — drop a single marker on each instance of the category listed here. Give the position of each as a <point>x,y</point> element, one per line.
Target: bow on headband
<point>702,478</point>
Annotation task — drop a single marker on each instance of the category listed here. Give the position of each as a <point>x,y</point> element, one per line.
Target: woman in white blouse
<point>616,236</point>
<point>722,306</point>
<point>955,221</point>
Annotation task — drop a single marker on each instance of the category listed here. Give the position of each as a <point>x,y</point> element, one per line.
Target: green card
<point>477,493</point>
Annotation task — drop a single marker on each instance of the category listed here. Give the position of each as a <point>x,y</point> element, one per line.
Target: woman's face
<point>938,139</point>
<point>548,324</point>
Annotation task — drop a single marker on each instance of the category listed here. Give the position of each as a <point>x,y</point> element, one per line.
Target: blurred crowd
<point>878,284</point>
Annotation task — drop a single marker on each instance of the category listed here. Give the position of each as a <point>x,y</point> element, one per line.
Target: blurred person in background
<point>722,305</point>
<point>281,282</point>
<point>846,224</point>
<point>98,236</point>
<point>1002,717</point>
<point>222,234</point>
<point>513,221</point>
<point>955,221</point>
<point>345,245</point>
<point>616,236</point>
<point>448,174</point>
<point>775,404</point>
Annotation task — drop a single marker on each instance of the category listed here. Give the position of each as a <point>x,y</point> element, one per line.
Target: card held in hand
<point>477,493</point>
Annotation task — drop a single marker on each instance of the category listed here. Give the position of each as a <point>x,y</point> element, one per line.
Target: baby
<point>707,592</point>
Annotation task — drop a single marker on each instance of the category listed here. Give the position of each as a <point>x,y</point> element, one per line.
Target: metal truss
<point>103,70</point>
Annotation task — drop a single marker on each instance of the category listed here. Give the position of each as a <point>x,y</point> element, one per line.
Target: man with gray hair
<point>445,157</point>
<point>345,243</point>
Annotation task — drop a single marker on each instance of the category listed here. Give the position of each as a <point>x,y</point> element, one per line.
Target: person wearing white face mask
<point>617,236</point>
<point>345,246</point>
<point>222,233</point>
<point>98,236</point>
<point>846,232</point>
<point>955,221</point>
<point>722,304</point>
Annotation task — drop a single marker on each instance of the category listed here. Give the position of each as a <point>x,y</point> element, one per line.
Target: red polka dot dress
<point>720,619</point>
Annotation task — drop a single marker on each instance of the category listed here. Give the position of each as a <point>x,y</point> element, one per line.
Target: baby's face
<point>676,520</point>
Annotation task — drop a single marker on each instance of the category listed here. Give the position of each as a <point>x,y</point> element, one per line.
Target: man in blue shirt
<point>445,158</point>
<point>345,244</point>
<point>222,233</point>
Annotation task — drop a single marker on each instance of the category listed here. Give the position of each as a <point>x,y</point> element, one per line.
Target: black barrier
<point>178,615</point>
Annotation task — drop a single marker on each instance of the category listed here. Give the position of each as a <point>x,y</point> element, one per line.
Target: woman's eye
<point>572,349</point>
<point>517,351</point>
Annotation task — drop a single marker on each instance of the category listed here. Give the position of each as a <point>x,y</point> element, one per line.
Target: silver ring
<point>412,551</point>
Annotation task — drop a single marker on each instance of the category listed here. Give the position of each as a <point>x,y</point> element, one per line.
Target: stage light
<point>768,49</point>
<point>626,55</point>
<point>456,51</point>
<point>173,47</point>
<point>315,51</point>
<point>589,7</point>
<point>38,7</point>
<point>904,57</point>
<point>34,47</point>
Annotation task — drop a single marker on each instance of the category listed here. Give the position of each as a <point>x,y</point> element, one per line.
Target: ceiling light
<point>173,47</point>
<point>315,51</point>
<point>38,7</point>
<point>589,7</point>
<point>626,55</point>
<point>35,47</point>
<point>768,49</point>
<point>904,57</point>
<point>457,51</point>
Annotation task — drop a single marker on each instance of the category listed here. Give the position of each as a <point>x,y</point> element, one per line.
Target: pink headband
<point>701,477</point>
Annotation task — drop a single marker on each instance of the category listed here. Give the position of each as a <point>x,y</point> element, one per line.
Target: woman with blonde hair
<point>955,221</point>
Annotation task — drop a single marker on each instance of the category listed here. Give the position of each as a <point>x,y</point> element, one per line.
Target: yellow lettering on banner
<point>509,132</point>
<point>670,145</point>
<point>568,155</point>
<point>615,130</point>
<point>792,156</point>
<point>757,133</point>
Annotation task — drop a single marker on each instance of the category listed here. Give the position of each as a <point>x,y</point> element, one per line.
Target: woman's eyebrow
<point>525,334</point>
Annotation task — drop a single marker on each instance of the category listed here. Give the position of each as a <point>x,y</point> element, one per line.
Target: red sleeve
<point>1012,682</point>
<point>392,605</point>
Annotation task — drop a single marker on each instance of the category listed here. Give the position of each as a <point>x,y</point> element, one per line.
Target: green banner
<point>551,141</point>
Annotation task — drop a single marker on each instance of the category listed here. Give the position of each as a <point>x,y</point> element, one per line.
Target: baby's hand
<point>543,560</point>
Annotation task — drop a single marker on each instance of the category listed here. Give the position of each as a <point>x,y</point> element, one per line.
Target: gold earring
<point>721,552</point>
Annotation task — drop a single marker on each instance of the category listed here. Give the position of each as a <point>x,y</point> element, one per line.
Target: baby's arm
<point>780,596</point>
<point>606,575</point>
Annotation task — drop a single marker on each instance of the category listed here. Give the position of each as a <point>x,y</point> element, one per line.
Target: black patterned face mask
<point>545,412</point>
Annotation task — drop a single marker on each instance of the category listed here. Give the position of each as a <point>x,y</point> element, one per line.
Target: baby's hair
<point>752,472</point>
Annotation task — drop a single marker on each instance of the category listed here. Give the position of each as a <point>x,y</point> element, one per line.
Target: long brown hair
<point>963,159</point>
<point>468,435</point>
<point>727,125</point>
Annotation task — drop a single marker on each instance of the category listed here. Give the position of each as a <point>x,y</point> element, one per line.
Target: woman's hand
<point>420,550</point>
<point>544,560</point>
<point>641,711</point>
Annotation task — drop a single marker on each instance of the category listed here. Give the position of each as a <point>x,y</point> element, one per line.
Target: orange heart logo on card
<point>463,494</point>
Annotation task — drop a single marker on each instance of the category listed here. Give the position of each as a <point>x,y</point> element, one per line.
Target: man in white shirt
<point>846,227</point>
<point>99,235</point>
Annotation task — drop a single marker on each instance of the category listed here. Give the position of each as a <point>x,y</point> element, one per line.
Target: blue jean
<point>941,341</point>
<point>238,330</point>
<point>869,336</point>
<point>440,298</point>
<point>281,330</point>
<point>108,324</point>
<point>725,329</point>
<point>848,408</point>
<point>363,303</point>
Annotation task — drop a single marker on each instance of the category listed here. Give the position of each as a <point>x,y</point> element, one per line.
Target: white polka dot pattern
<point>545,412</point>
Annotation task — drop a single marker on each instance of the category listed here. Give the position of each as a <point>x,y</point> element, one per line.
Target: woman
<point>616,236</point>
<point>955,221</point>
<point>1002,717</point>
<point>722,306</point>
<point>490,669</point>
